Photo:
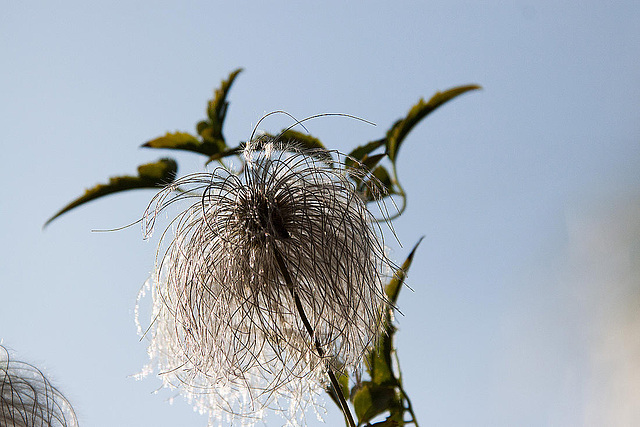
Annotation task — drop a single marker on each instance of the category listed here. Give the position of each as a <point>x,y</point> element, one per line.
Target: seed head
<point>27,398</point>
<point>226,330</point>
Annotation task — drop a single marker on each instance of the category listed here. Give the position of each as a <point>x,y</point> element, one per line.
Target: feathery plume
<point>27,398</point>
<point>271,278</point>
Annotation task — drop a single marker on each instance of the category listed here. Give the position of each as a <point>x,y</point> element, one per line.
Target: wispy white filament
<point>27,398</point>
<point>225,329</point>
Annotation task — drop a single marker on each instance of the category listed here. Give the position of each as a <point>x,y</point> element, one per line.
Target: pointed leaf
<point>150,175</point>
<point>393,287</point>
<point>371,161</point>
<point>217,108</point>
<point>402,127</point>
<point>368,188</point>
<point>210,130</point>
<point>379,363</point>
<point>362,151</point>
<point>383,176</point>
<point>355,171</point>
<point>186,141</point>
<point>371,400</point>
<point>379,359</point>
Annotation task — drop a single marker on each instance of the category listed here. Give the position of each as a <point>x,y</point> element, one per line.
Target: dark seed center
<point>267,219</point>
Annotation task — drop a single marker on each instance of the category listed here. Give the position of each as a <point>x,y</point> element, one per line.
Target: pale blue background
<point>527,191</point>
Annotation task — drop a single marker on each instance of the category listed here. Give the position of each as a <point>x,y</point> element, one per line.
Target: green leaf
<point>212,142</point>
<point>361,152</point>
<point>306,142</point>
<point>383,176</point>
<point>402,127</point>
<point>372,399</point>
<point>150,175</point>
<point>371,161</point>
<point>300,139</point>
<point>186,141</point>
<point>217,108</point>
<point>379,361</point>
<point>368,188</point>
<point>393,287</point>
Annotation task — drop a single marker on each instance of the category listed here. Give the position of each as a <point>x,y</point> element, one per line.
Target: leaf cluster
<point>209,141</point>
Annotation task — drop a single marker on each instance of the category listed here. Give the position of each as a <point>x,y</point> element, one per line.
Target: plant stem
<point>305,321</point>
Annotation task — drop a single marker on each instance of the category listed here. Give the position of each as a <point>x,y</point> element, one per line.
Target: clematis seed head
<point>226,330</point>
<point>27,398</point>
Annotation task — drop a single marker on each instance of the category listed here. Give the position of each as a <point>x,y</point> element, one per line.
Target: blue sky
<point>525,301</point>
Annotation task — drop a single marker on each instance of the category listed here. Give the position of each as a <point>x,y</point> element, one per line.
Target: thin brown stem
<point>305,321</point>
